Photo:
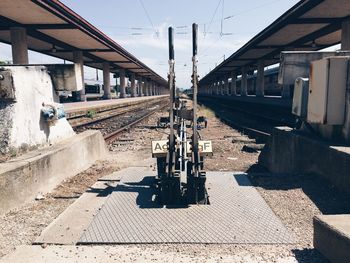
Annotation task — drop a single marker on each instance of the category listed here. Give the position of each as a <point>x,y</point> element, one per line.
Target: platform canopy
<point>54,29</point>
<point>310,25</point>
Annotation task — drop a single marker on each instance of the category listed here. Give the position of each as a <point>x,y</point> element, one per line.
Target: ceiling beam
<point>41,26</point>
<point>316,20</point>
<point>308,38</point>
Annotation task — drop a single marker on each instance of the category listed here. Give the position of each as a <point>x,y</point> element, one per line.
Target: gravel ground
<point>294,199</point>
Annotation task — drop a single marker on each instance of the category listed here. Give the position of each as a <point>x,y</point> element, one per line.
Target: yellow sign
<point>204,147</point>
<point>159,148</point>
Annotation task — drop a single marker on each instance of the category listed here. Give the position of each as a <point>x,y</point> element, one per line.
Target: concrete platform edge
<point>330,239</point>
<point>22,178</point>
<point>291,152</point>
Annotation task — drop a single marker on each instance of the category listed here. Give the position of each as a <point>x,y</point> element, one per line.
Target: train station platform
<point>75,109</point>
<point>252,99</point>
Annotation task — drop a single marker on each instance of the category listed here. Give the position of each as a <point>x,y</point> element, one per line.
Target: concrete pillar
<point>106,81</point>
<point>138,86</point>
<point>345,45</point>
<point>154,89</point>
<point>141,87</point>
<point>345,35</point>
<point>79,69</point>
<point>122,83</point>
<point>133,85</point>
<point>244,91</point>
<point>286,92</point>
<point>145,87</point>
<point>19,44</point>
<point>150,88</point>
<point>233,84</point>
<point>227,87</point>
<point>260,81</point>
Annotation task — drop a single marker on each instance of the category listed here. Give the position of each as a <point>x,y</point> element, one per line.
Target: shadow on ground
<point>327,198</point>
<point>309,255</point>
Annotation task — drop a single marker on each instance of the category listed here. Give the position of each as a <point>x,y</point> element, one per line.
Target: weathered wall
<point>21,122</point>
<point>41,170</point>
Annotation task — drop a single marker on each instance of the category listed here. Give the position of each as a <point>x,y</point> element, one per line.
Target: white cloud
<point>153,51</point>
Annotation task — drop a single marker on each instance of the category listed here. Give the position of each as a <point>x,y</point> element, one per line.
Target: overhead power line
<point>212,18</point>
<point>149,18</point>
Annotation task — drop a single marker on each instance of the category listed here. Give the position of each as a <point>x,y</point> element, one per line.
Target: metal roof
<point>56,30</point>
<point>308,26</point>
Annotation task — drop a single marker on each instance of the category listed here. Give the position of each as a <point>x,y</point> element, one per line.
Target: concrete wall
<point>21,122</point>
<point>293,152</point>
<point>41,170</point>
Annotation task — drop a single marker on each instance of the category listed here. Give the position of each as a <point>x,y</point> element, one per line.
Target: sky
<point>140,26</point>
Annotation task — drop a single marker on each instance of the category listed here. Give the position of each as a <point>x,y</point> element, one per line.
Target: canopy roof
<point>308,26</point>
<point>56,30</point>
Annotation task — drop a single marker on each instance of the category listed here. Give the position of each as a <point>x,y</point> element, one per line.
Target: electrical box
<point>7,89</point>
<point>300,97</point>
<point>327,91</point>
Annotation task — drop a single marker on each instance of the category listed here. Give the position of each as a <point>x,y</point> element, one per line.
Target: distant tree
<point>5,62</point>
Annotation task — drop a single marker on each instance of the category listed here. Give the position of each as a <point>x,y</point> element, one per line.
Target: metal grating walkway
<point>237,214</point>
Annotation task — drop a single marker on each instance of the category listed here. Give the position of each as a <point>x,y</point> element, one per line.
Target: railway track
<point>87,117</point>
<point>257,124</point>
<point>110,137</point>
<point>112,123</point>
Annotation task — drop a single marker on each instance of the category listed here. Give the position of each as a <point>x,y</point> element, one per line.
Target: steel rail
<point>113,135</point>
